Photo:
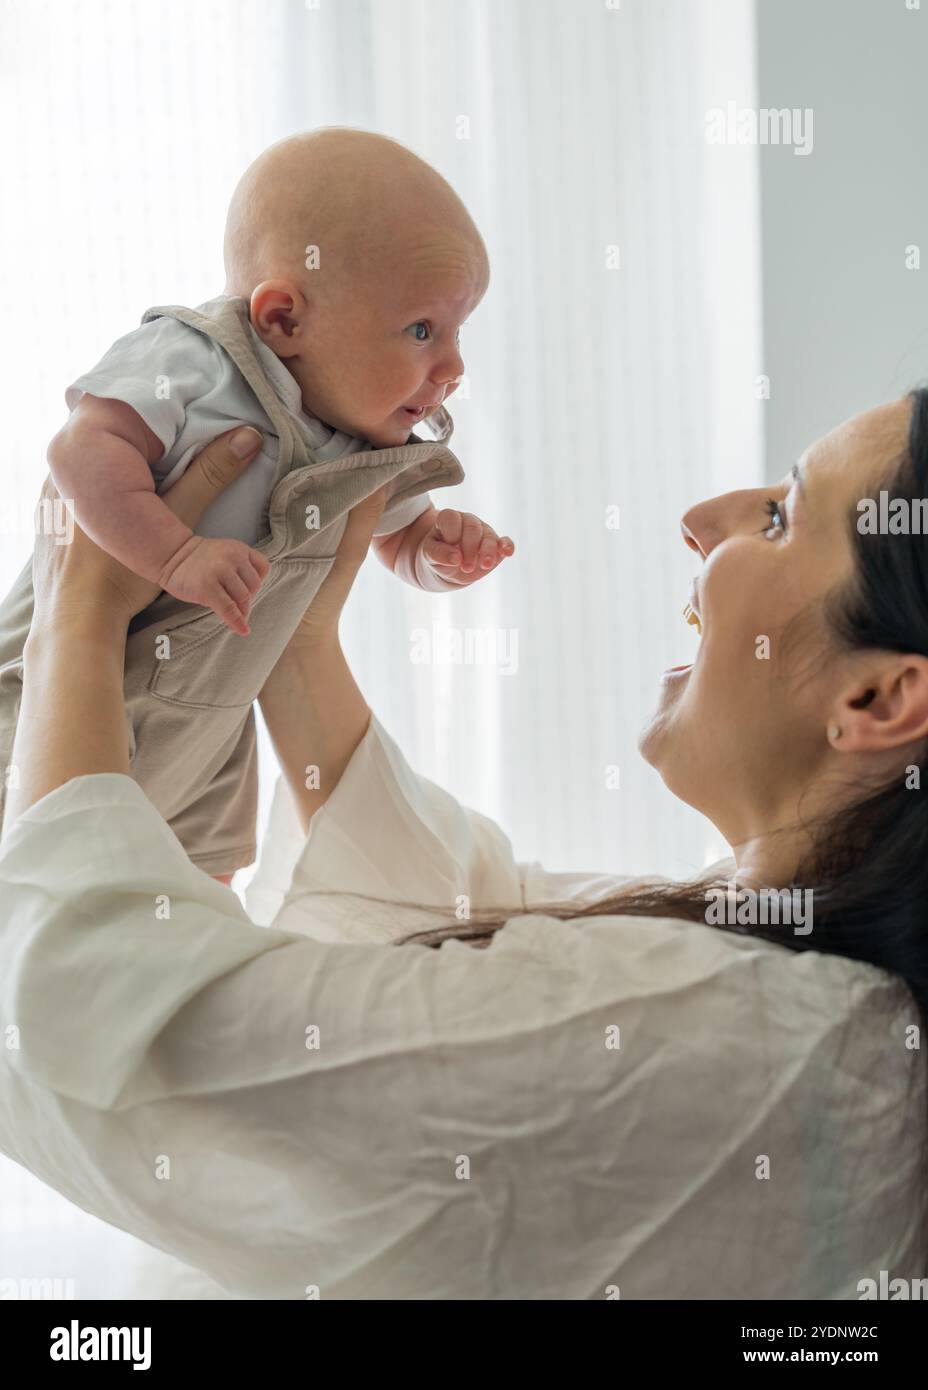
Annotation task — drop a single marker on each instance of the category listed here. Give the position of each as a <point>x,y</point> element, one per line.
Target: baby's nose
<point>450,371</point>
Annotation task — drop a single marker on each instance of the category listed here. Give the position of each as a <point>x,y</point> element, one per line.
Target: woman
<point>625,1104</point>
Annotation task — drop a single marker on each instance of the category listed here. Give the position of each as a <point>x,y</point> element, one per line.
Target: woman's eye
<point>773,512</point>
<point>414,330</point>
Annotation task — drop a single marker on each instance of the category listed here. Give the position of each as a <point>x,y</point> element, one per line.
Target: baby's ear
<point>278,314</point>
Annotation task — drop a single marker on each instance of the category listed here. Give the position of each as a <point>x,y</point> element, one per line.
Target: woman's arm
<point>316,717</point>
<point>72,718</point>
<point>315,713</point>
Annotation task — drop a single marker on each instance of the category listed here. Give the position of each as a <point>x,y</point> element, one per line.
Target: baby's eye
<point>414,329</point>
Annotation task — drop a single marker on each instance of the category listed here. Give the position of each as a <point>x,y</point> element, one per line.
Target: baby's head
<point>369,327</point>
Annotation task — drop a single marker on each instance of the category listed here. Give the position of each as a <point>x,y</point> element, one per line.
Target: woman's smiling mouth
<point>691,615</point>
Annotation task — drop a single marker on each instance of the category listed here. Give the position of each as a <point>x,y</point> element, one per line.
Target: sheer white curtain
<point>569,129</point>
<point>611,365</point>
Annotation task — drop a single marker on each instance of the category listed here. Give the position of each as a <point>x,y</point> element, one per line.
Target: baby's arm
<point>443,550</point>
<point>102,459</point>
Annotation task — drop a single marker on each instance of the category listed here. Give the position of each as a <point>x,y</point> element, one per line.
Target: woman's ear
<point>888,709</point>
<point>278,312</point>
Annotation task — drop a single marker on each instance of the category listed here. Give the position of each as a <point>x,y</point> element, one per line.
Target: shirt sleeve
<point>212,1087</point>
<point>158,370</point>
<point>391,852</point>
<point>566,1113</point>
<point>397,516</point>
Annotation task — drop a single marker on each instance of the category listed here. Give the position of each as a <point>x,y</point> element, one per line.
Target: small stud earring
<point>833,731</point>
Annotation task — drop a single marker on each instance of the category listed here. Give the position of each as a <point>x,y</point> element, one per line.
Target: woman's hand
<point>78,581</point>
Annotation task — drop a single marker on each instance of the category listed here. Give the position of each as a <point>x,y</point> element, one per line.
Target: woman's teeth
<point>692,617</point>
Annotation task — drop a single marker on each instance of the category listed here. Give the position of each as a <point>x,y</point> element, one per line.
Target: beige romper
<point>189,681</point>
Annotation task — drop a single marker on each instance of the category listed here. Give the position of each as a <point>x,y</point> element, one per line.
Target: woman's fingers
<point>360,528</point>
<point>218,465</point>
<point>323,613</point>
<point>354,544</point>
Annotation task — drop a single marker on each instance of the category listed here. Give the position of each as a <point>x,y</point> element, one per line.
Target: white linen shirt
<point>188,390</point>
<point>631,1107</point>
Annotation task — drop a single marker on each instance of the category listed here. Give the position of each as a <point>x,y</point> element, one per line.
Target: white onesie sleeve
<point>158,370</point>
<point>399,515</point>
<point>189,391</point>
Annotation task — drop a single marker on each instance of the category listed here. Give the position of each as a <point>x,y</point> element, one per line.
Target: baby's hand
<point>459,549</point>
<point>223,575</point>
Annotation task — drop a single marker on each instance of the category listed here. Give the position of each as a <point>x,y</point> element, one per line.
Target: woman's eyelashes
<point>775,511</point>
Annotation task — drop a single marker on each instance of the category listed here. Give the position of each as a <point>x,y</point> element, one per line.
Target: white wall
<point>845,323</point>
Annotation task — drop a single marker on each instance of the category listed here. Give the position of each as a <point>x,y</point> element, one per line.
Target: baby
<point>358,264</point>
<point>350,267</point>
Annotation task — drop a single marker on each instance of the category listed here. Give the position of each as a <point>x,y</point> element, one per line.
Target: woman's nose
<point>699,531</point>
<point>708,523</point>
<point>712,521</point>
<point>690,538</point>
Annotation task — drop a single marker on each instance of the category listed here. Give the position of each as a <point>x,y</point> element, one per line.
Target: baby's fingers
<point>228,608</point>
<point>488,554</point>
<point>239,586</point>
<point>235,587</point>
<point>254,571</point>
<point>493,549</point>
<point>441,552</point>
<point>471,536</point>
<point>449,524</point>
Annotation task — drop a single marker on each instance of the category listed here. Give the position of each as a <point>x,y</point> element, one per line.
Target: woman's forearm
<point>316,717</point>
<point>72,719</point>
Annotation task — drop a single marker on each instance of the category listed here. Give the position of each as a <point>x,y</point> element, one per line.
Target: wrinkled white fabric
<point>462,1129</point>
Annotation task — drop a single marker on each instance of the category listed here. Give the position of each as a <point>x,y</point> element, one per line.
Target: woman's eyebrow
<point>796,473</point>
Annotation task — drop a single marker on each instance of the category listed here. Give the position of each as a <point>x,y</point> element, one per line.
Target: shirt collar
<point>283,382</point>
<point>335,442</point>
